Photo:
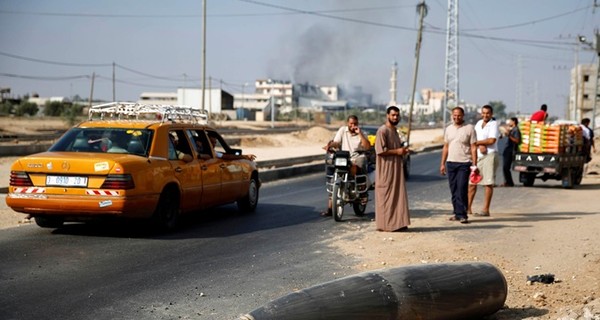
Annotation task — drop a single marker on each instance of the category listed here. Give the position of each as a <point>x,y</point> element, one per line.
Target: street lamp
<point>583,40</point>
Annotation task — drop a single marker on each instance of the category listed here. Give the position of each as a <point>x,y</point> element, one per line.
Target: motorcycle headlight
<point>341,162</point>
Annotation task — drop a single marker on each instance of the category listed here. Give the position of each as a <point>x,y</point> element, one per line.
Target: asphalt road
<point>218,266</point>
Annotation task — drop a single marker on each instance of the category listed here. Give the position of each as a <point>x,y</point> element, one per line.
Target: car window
<point>178,145</point>
<point>201,143</point>
<point>109,140</point>
<point>218,143</point>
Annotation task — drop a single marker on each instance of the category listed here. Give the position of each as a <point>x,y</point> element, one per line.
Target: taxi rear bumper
<point>38,204</point>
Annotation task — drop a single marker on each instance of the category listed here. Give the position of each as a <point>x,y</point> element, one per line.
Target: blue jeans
<point>458,179</point>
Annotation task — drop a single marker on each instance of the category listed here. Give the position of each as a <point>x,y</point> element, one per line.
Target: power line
<point>11,75</point>
<point>56,62</point>
<point>320,14</point>
<point>529,22</point>
<point>533,43</point>
<point>168,16</point>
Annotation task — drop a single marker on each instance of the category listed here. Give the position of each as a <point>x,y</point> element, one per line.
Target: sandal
<point>326,213</point>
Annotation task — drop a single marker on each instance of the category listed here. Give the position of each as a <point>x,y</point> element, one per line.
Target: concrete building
<point>582,90</point>
<point>216,101</point>
<point>286,98</point>
<point>158,98</point>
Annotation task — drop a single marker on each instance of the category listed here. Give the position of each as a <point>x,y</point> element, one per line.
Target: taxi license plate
<point>66,181</point>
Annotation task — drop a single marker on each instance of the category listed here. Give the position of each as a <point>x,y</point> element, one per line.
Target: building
<point>581,96</point>
<point>216,101</point>
<point>158,98</point>
<point>287,97</point>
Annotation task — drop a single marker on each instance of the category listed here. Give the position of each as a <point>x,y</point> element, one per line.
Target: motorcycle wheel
<point>337,199</point>
<point>359,208</point>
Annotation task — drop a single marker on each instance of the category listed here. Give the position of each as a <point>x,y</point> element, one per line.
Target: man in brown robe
<point>391,200</point>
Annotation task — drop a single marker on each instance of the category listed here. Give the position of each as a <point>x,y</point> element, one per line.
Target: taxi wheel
<point>249,202</point>
<point>49,222</point>
<point>167,211</point>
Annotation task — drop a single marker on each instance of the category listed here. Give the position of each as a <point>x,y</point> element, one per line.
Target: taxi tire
<point>166,215</point>
<point>249,202</point>
<point>49,222</point>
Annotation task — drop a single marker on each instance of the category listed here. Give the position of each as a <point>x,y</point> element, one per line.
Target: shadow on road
<point>216,222</point>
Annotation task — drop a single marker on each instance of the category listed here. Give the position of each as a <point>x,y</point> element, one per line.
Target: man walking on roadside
<point>487,158</point>
<point>458,156</point>
<point>391,199</point>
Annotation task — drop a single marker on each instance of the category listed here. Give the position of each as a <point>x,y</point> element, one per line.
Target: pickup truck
<point>565,167</point>
<point>550,152</point>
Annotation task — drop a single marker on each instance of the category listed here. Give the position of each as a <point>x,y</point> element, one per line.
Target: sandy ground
<point>545,230</point>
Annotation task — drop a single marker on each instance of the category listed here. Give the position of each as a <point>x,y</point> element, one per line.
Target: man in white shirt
<point>487,133</point>
<point>348,138</point>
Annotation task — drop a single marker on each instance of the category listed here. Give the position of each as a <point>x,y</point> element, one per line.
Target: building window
<point>586,78</point>
<point>585,97</point>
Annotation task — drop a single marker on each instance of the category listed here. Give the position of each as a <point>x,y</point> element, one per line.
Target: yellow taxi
<point>133,161</point>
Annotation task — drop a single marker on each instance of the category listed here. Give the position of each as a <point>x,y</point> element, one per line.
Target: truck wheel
<point>578,176</point>
<point>568,178</point>
<point>528,179</point>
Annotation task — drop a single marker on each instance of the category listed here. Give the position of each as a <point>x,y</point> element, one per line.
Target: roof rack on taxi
<point>137,111</point>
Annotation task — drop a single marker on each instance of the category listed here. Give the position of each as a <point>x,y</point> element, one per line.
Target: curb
<point>291,172</point>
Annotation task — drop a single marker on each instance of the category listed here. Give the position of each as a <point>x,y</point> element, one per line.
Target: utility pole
<point>519,95</point>
<point>184,85</point>
<point>203,52</point>
<point>113,83</point>
<point>272,104</point>
<point>597,80</point>
<point>422,9</point>
<point>451,76</point>
<point>92,90</point>
<point>576,97</point>
<point>393,84</point>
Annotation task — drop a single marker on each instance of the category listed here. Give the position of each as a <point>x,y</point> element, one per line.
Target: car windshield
<point>109,140</point>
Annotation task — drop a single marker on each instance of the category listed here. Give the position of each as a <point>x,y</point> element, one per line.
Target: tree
<point>54,108</point>
<point>6,108</point>
<point>71,113</point>
<point>499,109</point>
<point>26,108</point>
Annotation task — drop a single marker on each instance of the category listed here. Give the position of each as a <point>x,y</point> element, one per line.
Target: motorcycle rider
<point>348,138</point>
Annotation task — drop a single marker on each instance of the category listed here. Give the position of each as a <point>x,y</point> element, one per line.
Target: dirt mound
<point>31,125</point>
<point>315,134</point>
<point>296,138</point>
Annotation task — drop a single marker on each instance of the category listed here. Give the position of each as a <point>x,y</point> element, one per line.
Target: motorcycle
<point>347,183</point>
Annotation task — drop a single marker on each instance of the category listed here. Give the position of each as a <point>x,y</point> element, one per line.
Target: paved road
<point>217,267</point>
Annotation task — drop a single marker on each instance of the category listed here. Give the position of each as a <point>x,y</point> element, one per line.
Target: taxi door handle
<point>203,167</point>
<point>178,169</point>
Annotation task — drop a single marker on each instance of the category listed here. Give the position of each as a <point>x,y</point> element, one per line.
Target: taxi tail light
<point>118,181</point>
<point>20,179</point>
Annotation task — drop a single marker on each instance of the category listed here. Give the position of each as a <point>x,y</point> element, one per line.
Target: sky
<point>52,48</point>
